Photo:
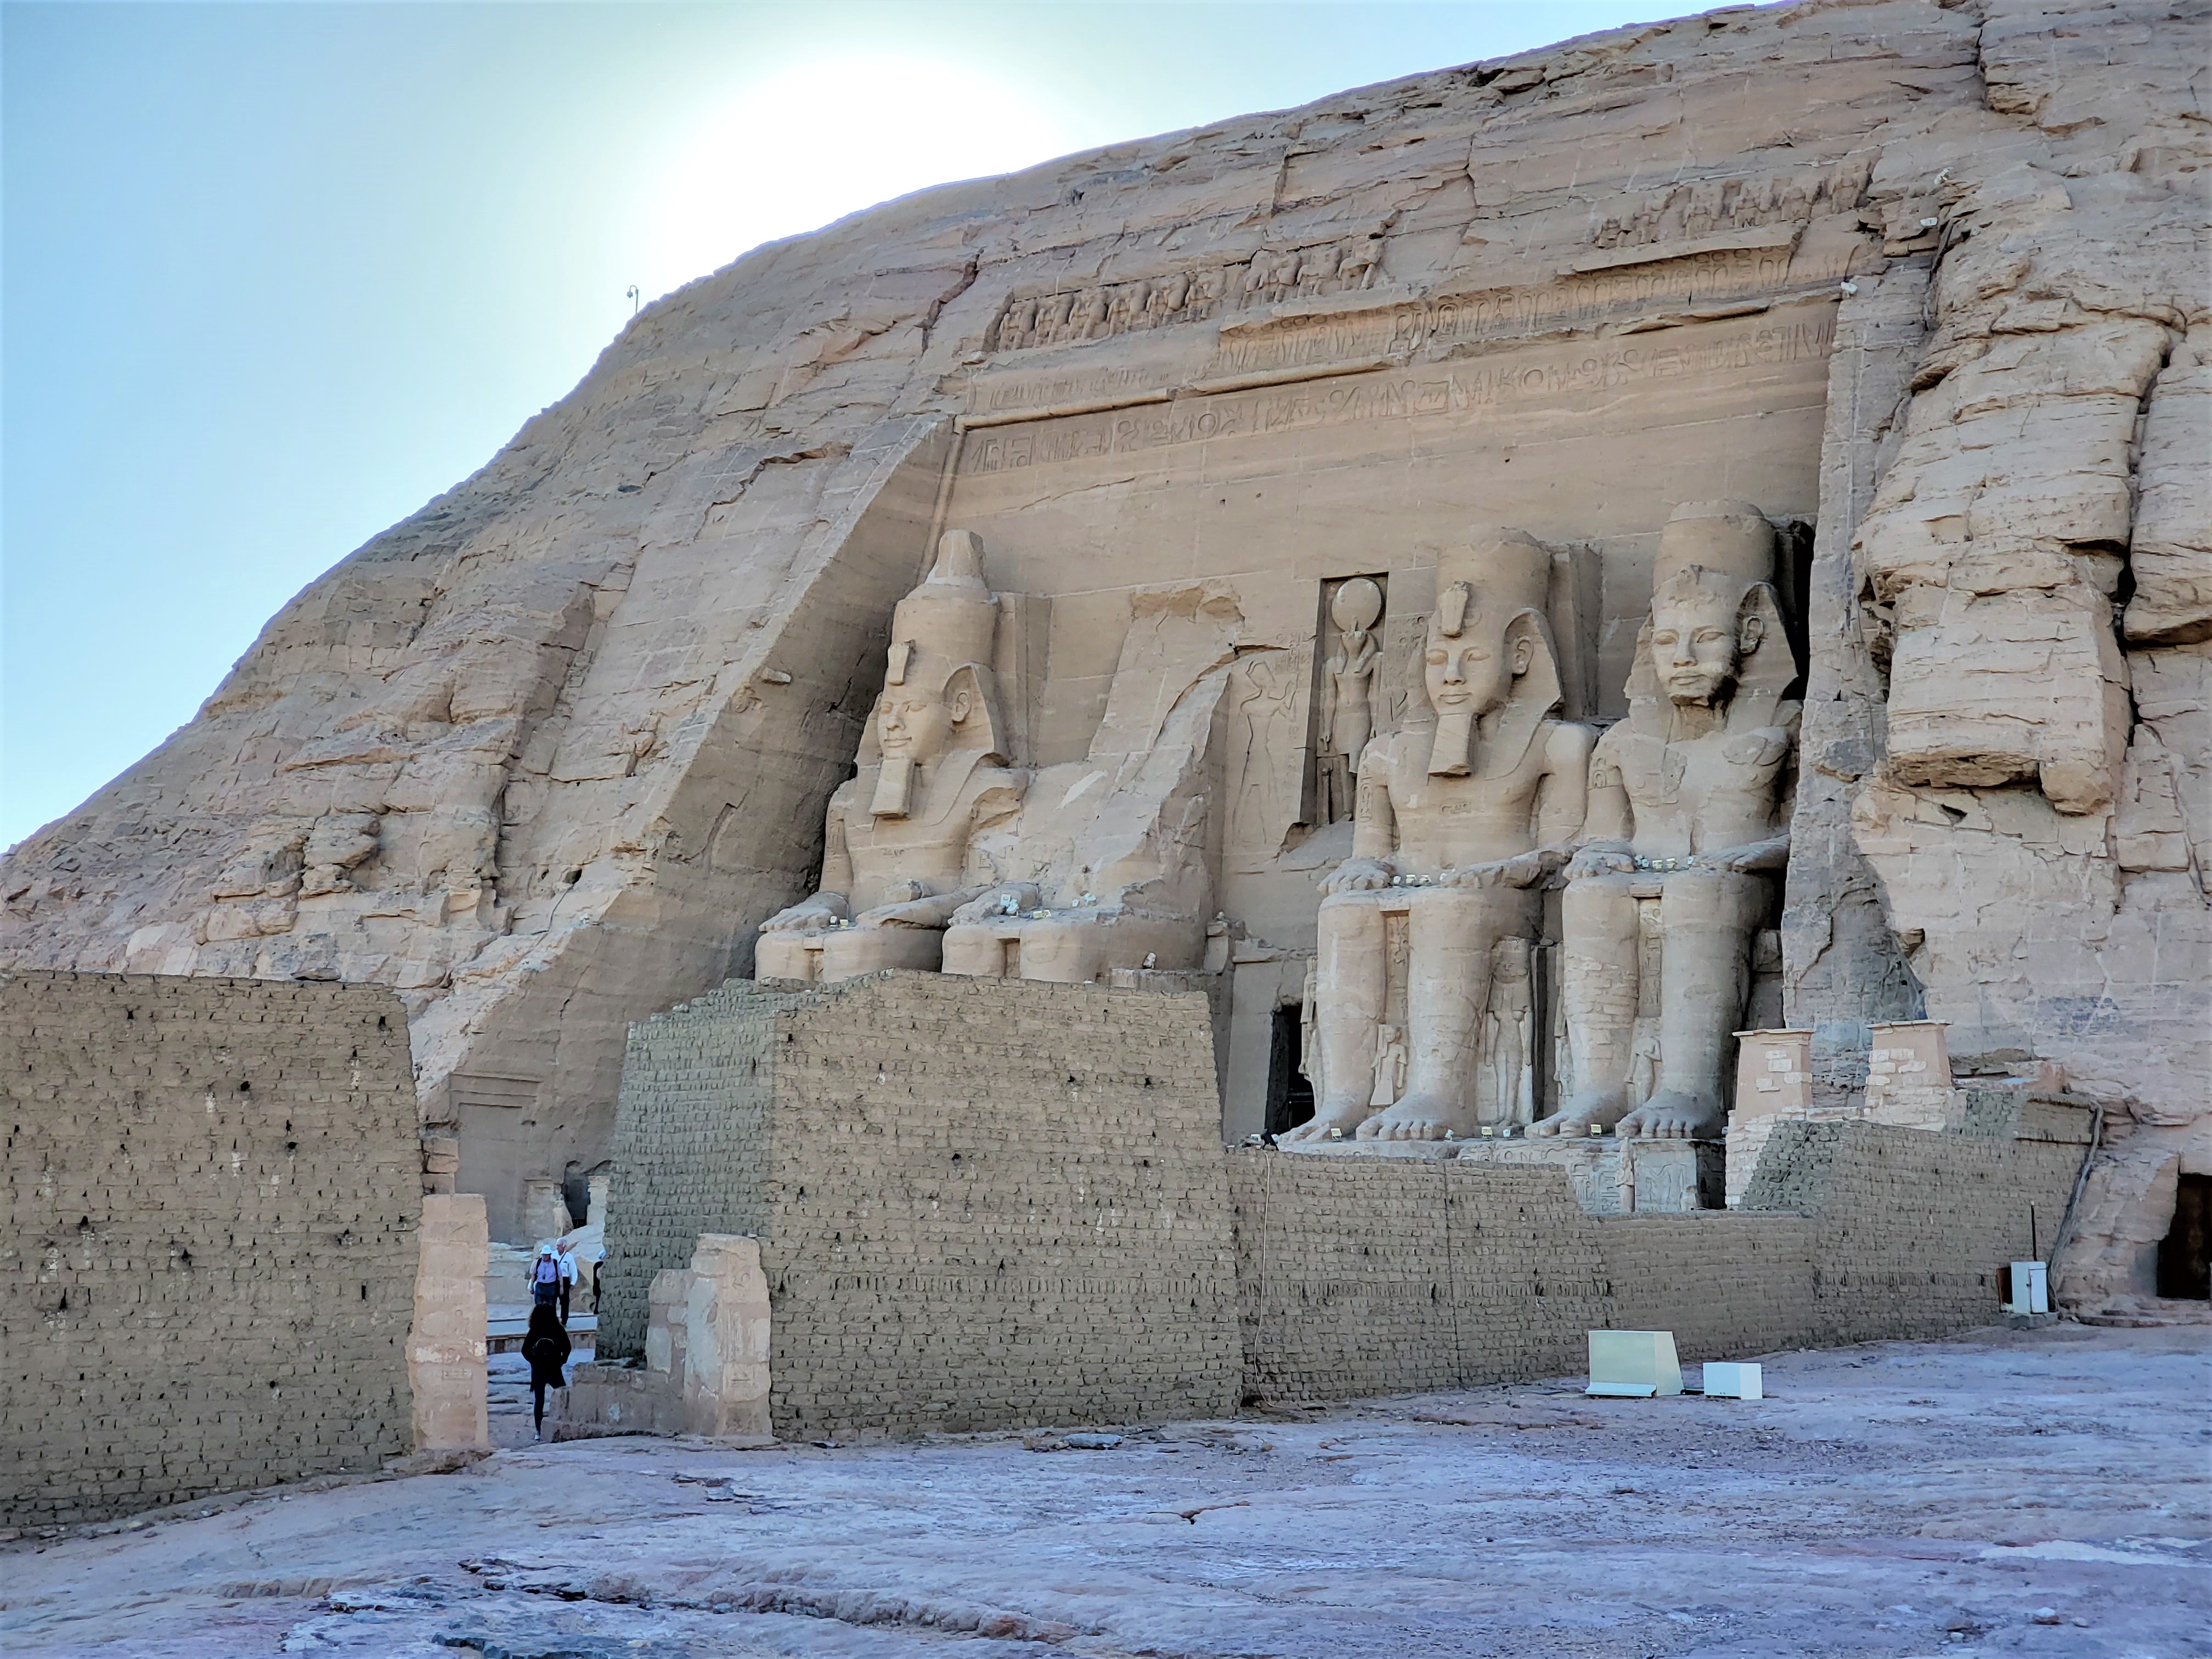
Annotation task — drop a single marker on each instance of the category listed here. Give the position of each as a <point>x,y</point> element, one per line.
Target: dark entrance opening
<point>1289,1095</point>
<point>2185,1255</point>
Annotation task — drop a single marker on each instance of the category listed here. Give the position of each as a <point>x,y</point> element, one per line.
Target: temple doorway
<point>1290,1093</point>
<point>2185,1255</point>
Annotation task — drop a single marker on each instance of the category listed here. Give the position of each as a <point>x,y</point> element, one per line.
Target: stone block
<point>446,1357</point>
<point>1734,1380</point>
<point>1633,1364</point>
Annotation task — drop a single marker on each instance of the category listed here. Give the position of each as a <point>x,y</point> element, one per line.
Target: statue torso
<point>1446,822</point>
<point>934,844</point>
<point>1701,795</point>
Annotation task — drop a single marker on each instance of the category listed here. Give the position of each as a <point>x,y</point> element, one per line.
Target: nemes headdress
<point>942,638</point>
<point>1499,574</point>
<point>952,616</point>
<point>1731,540</point>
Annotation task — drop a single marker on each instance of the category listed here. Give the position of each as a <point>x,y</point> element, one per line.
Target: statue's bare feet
<point>1418,1117</point>
<point>1344,1115</point>
<point>1671,1115</point>
<point>1593,1109</point>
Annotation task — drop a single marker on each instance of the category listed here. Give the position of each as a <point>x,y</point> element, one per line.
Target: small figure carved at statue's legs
<point>1706,919</point>
<point>1599,984</point>
<point>1351,969</point>
<point>1453,934</point>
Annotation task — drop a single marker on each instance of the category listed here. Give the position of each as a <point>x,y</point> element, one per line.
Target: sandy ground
<point>2039,1493</point>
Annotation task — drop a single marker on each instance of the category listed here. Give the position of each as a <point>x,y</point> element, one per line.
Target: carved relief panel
<point>1350,689</point>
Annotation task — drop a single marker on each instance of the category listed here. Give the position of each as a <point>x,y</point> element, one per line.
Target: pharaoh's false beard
<point>1451,750</point>
<point>894,787</point>
<point>1698,690</point>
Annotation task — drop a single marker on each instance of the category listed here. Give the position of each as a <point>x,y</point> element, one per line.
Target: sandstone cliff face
<point>542,755</point>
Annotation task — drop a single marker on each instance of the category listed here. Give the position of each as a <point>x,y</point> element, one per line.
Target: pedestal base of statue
<point>1349,1148</point>
<point>1612,1176</point>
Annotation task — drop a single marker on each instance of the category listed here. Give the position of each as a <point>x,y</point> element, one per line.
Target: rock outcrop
<point>1928,279</point>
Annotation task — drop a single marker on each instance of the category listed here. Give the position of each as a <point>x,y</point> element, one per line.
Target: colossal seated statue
<point>1456,824</point>
<point>1116,851</point>
<point>923,827</point>
<point>1687,814</point>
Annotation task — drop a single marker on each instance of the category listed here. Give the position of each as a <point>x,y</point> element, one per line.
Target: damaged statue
<point>911,838</point>
<point>1688,812</point>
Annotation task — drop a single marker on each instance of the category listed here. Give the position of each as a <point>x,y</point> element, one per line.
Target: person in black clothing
<point>546,1347</point>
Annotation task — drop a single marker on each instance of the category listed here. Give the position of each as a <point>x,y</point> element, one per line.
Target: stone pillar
<point>705,1355</point>
<point>1909,1075</point>
<point>725,1338</point>
<point>446,1348</point>
<point>1773,1083</point>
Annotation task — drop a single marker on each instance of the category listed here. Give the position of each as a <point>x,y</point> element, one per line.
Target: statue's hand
<point>1599,861</point>
<point>1357,876</point>
<point>1743,860</point>
<point>1012,899</point>
<point>808,915</point>
<point>1526,870</point>
<point>1523,870</point>
<point>911,913</point>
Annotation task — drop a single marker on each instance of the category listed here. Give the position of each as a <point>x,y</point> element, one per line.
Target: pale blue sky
<point>276,274</point>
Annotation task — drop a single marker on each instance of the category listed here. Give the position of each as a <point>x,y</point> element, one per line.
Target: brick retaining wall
<point>979,1204</point>
<point>214,1188</point>
<point>987,1204</point>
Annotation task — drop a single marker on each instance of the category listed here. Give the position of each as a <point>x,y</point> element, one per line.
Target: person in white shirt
<point>568,1260</point>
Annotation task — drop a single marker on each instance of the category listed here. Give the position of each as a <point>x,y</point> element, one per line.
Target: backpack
<point>548,1270</point>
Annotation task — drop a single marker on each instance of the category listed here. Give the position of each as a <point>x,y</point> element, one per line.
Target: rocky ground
<point>2032,1492</point>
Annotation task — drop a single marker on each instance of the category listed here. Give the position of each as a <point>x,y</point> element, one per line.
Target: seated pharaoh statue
<point>1116,851</point>
<point>911,838</point>
<point>1687,816</point>
<point>1456,824</point>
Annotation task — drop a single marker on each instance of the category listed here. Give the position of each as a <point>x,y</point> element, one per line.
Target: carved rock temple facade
<point>1705,523</point>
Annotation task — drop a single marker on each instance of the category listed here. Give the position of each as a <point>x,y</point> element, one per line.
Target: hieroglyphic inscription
<point>1459,388</point>
<point>1043,391</point>
<point>1436,325</point>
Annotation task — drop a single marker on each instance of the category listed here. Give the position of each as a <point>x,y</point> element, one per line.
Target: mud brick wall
<point>691,1142</point>
<point>1727,1284</point>
<point>214,1188</point>
<point>980,1204</point>
<point>1361,1276</point>
<point>1913,1231</point>
<point>1358,1277</point>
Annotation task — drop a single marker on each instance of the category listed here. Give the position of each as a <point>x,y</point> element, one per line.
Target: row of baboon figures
<point>1460,820</point>
<point>1093,313</point>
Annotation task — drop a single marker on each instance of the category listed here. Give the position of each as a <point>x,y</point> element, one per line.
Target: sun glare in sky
<point>814,141</point>
<point>277,275</point>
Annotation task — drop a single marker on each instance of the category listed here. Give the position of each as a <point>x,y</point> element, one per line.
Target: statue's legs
<point>788,953</point>
<point>1348,992</point>
<point>1598,986</point>
<point>1706,918</point>
<point>1453,934</point>
<point>848,952</point>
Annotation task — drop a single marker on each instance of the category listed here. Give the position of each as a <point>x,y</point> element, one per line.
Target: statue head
<point>939,694</point>
<point>1711,604</point>
<point>1487,636</point>
<point>1356,607</point>
<point>918,722</point>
